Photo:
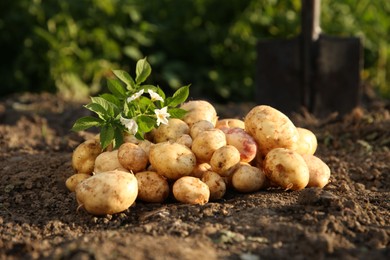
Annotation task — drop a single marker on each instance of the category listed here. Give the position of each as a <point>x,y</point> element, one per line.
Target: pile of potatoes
<point>196,159</point>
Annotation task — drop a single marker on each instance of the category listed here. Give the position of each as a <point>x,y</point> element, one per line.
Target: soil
<point>39,219</point>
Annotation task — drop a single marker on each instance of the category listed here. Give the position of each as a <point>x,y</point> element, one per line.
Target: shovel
<point>314,71</point>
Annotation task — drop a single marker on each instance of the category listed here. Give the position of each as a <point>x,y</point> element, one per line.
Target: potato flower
<point>130,124</point>
<point>154,96</point>
<point>162,116</point>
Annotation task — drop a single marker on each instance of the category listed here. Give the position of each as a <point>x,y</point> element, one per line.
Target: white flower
<point>135,96</point>
<point>130,124</point>
<point>154,96</point>
<point>162,116</point>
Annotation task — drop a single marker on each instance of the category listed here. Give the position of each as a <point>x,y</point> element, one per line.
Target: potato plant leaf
<point>125,78</point>
<point>107,134</point>
<point>116,88</point>
<point>177,112</point>
<point>178,97</point>
<point>86,122</point>
<point>142,71</point>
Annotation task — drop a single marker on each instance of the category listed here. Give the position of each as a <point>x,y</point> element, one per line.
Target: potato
<point>287,169</point>
<point>145,145</point>
<point>108,161</point>
<point>172,131</point>
<point>215,183</point>
<point>191,190</point>
<point>271,129</point>
<point>185,140</point>
<point>172,160</point>
<point>152,187</point>
<point>107,192</point>
<point>75,179</point>
<point>224,160</point>
<point>200,169</point>
<point>243,141</point>
<point>83,157</point>
<point>307,141</point>
<point>318,170</point>
<point>248,178</point>
<point>199,110</point>
<point>132,157</point>
<point>206,143</point>
<point>199,127</point>
<point>230,123</point>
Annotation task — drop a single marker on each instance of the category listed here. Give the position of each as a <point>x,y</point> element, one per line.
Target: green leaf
<point>179,96</point>
<point>85,123</point>
<point>118,137</point>
<point>112,99</point>
<point>145,123</point>
<point>107,134</point>
<point>107,105</point>
<point>125,78</point>
<point>98,109</point>
<point>177,112</point>
<point>116,88</point>
<point>142,71</point>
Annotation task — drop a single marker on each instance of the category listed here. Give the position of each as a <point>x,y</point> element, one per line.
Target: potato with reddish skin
<point>191,190</point>
<point>132,157</point>
<point>108,161</point>
<point>152,187</point>
<point>216,185</point>
<point>224,160</point>
<point>206,143</point>
<point>83,157</point>
<point>319,171</point>
<point>171,131</point>
<point>107,192</point>
<point>199,110</point>
<point>75,179</point>
<point>199,127</point>
<point>230,123</point>
<point>271,129</point>
<point>172,160</point>
<point>307,142</point>
<point>287,169</point>
<point>243,141</point>
<point>248,178</point>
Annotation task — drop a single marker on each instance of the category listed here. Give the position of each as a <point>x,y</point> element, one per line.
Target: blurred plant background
<point>71,46</point>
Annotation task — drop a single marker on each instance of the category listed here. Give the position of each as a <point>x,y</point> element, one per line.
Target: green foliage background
<point>71,46</point>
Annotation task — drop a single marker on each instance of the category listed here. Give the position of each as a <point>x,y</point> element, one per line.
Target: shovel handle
<point>310,19</point>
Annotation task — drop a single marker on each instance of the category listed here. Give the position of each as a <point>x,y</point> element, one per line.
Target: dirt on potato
<point>39,219</point>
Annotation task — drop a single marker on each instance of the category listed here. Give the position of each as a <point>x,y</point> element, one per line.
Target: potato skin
<point>152,187</point>
<point>207,142</point>
<point>191,190</point>
<point>307,141</point>
<point>271,129</point>
<point>172,160</point>
<point>74,180</point>
<point>248,178</point>
<point>319,171</point>
<point>170,132</point>
<point>199,127</point>
<point>230,123</point>
<point>199,110</point>
<point>83,157</point>
<point>286,168</point>
<point>243,141</point>
<point>108,161</point>
<point>132,157</point>
<point>215,183</point>
<point>225,159</point>
<point>107,192</point>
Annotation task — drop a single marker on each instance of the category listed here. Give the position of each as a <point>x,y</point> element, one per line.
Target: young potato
<point>230,123</point>
<point>243,141</point>
<point>185,140</point>
<point>318,170</point>
<point>199,127</point>
<point>307,142</point>
<point>199,110</point>
<point>107,192</point>
<point>152,187</point>
<point>224,160</point>
<point>207,142</point>
<point>108,161</point>
<point>75,179</point>
<point>271,129</point>
<point>172,160</point>
<point>172,131</point>
<point>191,190</point>
<point>248,178</point>
<point>145,145</point>
<point>216,185</point>
<point>200,169</point>
<point>287,169</point>
<point>83,157</point>
<point>132,157</point>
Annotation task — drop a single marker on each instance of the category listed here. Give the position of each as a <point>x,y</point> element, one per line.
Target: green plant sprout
<point>131,107</point>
